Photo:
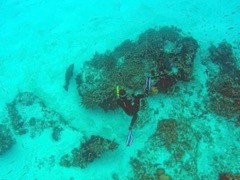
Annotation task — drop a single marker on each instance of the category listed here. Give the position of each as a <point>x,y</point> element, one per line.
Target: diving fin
<point>129,138</point>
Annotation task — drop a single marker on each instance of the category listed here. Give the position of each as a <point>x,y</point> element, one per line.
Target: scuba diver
<point>130,105</point>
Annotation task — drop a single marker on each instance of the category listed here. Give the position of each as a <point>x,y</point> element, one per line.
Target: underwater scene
<point>119,90</point>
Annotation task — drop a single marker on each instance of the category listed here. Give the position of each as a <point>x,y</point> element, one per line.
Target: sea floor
<point>40,39</point>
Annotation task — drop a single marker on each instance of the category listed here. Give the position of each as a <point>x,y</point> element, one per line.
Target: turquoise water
<point>41,122</point>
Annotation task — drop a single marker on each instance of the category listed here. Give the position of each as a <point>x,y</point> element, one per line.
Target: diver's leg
<point>134,119</point>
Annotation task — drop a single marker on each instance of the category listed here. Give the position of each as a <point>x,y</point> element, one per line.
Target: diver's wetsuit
<point>129,108</point>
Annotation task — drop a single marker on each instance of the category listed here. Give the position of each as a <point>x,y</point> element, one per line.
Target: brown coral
<point>224,92</point>
<point>88,151</point>
<point>167,132</point>
<point>163,52</point>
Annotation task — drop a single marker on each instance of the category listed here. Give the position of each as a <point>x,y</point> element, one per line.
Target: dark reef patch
<point>164,53</point>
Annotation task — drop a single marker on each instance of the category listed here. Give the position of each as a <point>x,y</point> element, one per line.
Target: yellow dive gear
<point>117,91</point>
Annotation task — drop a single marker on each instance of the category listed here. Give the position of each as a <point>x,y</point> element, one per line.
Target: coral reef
<point>28,114</point>
<point>176,136</point>
<point>167,132</point>
<point>229,176</point>
<point>180,140</point>
<point>6,139</point>
<point>224,92</point>
<point>56,133</point>
<point>88,151</point>
<point>144,170</point>
<point>115,176</point>
<point>164,53</point>
<point>224,88</point>
<point>16,120</point>
<point>223,56</point>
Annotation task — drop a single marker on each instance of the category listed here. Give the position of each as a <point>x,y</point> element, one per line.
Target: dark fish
<point>207,72</point>
<point>129,138</point>
<point>157,164</point>
<point>68,75</point>
<point>9,172</point>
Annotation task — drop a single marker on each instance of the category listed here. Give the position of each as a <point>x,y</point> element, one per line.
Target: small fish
<point>68,75</point>
<point>129,138</point>
<point>148,84</point>
<point>157,164</point>
<point>207,72</point>
<point>9,172</point>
